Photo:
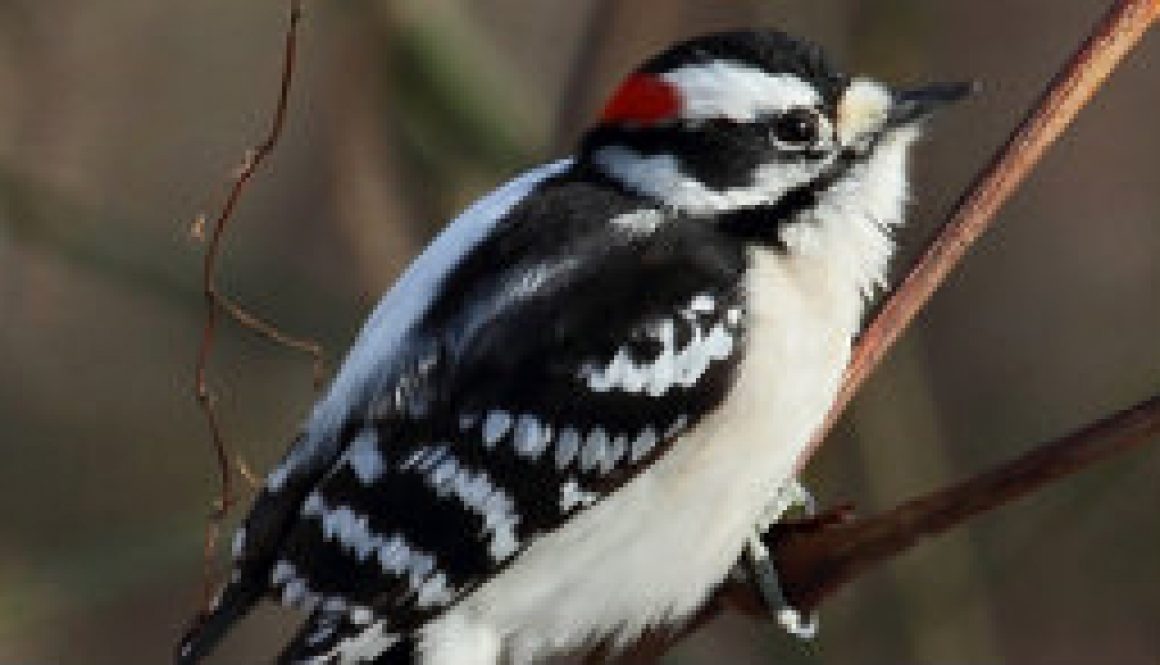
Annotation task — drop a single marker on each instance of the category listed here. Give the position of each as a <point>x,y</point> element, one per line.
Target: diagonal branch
<point>1107,44</point>
<point>817,556</point>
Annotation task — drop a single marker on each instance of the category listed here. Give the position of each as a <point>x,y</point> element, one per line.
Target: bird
<point>566,421</point>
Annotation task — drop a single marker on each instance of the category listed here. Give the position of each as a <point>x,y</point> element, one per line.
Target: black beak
<point>916,104</point>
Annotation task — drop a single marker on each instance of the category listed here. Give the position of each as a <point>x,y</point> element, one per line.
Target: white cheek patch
<point>737,92</point>
<point>862,111</point>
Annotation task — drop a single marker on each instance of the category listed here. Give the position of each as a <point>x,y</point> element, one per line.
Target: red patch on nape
<point>642,98</point>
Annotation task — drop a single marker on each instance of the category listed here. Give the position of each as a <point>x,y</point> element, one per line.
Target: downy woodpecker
<point>563,423</point>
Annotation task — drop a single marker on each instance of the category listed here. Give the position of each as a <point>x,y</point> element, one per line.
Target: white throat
<point>848,232</point>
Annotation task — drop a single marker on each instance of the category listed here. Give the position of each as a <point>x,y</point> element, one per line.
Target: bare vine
<point>217,302</point>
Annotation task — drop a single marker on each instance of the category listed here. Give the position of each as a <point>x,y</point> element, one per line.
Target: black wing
<point>557,362</point>
<point>329,634</point>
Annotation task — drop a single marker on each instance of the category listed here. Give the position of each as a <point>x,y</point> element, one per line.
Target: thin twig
<point>217,301</point>
<point>1109,41</point>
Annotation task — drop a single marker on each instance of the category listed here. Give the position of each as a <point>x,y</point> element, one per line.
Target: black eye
<point>796,128</point>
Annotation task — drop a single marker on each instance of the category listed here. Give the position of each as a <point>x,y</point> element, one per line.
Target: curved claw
<point>763,570</point>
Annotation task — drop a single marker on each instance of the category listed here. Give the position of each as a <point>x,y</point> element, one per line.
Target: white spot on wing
<point>295,592</point>
<point>595,449</point>
<point>319,635</point>
<point>531,436</point>
<point>239,544</point>
<point>362,616</point>
<point>364,458</point>
<point>639,222</point>
<point>616,449</point>
<point>643,444</point>
<point>567,445</point>
<point>495,427</point>
<point>703,303</point>
<point>281,573</point>
<point>572,496</point>
<point>335,605</point>
<point>434,592</point>
<point>276,480</point>
<point>673,366</point>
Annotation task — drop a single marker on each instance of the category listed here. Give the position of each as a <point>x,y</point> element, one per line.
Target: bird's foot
<point>763,570</point>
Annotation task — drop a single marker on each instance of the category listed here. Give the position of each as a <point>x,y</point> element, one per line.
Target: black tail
<point>208,629</point>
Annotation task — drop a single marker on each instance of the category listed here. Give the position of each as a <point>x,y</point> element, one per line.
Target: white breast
<point>649,553</point>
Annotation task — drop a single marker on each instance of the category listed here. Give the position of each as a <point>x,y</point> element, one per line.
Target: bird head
<point>752,120</point>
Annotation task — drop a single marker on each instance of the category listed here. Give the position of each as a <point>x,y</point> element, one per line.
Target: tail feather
<point>209,628</point>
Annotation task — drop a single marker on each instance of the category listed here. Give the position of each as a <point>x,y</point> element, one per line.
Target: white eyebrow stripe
<point>737,92</point>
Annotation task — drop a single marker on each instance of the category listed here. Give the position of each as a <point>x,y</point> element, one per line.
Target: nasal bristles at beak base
<point>862,111</point>
<point>915,104</point>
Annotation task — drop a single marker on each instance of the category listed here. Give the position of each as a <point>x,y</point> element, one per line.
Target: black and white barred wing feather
<point>553,363</point>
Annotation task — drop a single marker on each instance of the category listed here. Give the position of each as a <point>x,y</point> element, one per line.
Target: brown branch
<point>216,301</point>
<point>818,556</point>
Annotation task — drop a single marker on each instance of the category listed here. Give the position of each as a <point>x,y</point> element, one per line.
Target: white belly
<point>649,553</point>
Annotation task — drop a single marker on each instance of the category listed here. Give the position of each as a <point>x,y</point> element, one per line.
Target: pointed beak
<point>916,104</point>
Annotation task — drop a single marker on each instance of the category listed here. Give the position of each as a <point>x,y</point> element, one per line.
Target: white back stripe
<point>376,351</point>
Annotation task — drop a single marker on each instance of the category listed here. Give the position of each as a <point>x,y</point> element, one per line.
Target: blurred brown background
<point>120,119</point>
